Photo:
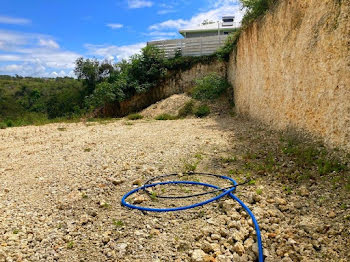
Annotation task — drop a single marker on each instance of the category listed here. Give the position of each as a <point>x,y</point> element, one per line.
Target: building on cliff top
<point>204,39</point>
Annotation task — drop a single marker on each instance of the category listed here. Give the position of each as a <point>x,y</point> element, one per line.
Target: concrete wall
<point>292,69</point>
<point>176,83</point>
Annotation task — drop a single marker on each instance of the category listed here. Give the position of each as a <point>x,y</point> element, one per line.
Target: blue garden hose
<point>226,191</point>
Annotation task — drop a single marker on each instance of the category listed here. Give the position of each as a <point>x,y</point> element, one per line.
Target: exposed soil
<point>61,186</point>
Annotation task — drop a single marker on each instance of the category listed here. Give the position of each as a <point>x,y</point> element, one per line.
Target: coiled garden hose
<point>225,191</point>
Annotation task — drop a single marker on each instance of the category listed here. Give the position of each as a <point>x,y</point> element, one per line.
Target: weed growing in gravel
<point>118,223</point>
<point>228,159</point>
<point>61,129</point>
<point>288,189</point>
<point>134,116</point>
<point>190,166</point>
<point>259,191</point>
<point>87,149</point>
<point>84,196</point>
<point>199,156</point>
<point>16,231</point>
<point>128,123</point>
<point>165,117</point>
<point>153,196</point>
<point>252,182</point>
<point>70,244</point>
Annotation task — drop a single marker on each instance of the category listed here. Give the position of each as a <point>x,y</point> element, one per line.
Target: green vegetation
<point>165,117</point>
<point>255,9</point>
<point>70,244</point>
<point>186,110</point>
<point>134,116</point>
<point>118,223</point>
<point>209,87</point>
<point>202,111</point>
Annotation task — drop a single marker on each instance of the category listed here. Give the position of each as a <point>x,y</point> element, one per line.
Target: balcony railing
<point>197,46</point>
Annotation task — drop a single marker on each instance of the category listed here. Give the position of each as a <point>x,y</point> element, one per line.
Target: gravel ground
<point>61,186</point>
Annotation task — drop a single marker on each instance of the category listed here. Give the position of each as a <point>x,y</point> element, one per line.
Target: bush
<point>134,116</point>
<point>2,125</point>
<point>209,87</point>
<point>165,117</point>
<point>255,9</point>
<point>186,110</point>
<point>202,111</point>
<point>230,45</point>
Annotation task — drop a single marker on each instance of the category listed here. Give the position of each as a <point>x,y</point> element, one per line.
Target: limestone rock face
<point>292,69</point>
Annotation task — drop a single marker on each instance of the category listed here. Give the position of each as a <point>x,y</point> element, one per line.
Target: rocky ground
<point>61,186</point>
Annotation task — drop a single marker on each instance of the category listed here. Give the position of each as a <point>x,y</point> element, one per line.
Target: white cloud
<point>217,9</point>
<point>33,55</point>
<point>49,43</point>
<point>139,3</point>
<point>14,20</point>
<point>113,52</point>
<point>115,26</point>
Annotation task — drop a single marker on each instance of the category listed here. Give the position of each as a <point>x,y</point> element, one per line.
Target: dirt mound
<point>170,105</point>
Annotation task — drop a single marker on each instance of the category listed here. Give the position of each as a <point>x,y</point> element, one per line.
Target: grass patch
<point>165,117</point>
<point>118,223</point>
<point>134,116</point>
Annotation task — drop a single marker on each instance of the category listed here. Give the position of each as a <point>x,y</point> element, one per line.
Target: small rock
<point>239,248</point>
<point>280,201</point>
<point>207,247</point>
<point>198,255</point>
<point>137,182</point>
<point>139,199</point>
<point>215,237</point>
<point>332,214</point>
<point>303,191</point>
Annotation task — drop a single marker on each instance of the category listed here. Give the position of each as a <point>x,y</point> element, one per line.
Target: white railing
<point>196,46</point>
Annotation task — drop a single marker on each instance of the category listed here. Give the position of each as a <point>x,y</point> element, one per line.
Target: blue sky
<point>44,38</point>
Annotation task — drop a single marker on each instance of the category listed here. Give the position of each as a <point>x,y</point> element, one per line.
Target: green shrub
<point>165,117</point>
<point>209,87</point>
<point>187,109</point>
<point>255,9</point>
<point>231,41</point>
<point>2,125</point>
<point>134,116</point>
<point>202,111</point>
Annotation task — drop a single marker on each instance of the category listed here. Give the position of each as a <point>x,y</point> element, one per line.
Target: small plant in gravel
<point>153,196</point>
<point>16,231</point>
<point>287,189</point>
<point>134,116</point>
<point>84,196</point>
<point>61,129</point>
<point>228,159</point>
<point>87,149</point>
<point>190,166</point>
<point>128,123</point>
<point>199,156</point>
<point>259,191</point>
<point>70,244</point>
<point>202,111</point>
<point>118,223</point>
<point>165,117</point>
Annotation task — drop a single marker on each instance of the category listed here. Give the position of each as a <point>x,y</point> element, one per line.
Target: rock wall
<point>292,69</point>
<point>176,83</point>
